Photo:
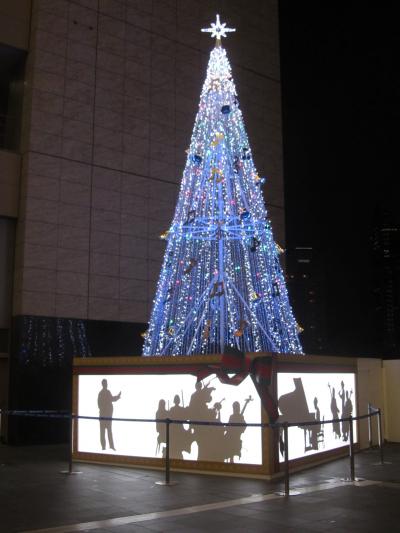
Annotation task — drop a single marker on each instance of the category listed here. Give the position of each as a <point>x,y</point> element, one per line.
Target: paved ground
<point>34,496</point>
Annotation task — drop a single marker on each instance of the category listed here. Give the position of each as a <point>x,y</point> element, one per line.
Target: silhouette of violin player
<point>233,434</point>
<point>335,413</point>
<point>105,402</point>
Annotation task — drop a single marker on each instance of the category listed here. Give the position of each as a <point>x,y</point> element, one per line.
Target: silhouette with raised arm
<point>342,396</point>
<point>105,402</point>
<point>233,434</point>
<point>335,413</point>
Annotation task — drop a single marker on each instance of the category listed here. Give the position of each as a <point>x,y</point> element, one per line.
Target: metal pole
<point>167,481</point>
<point>70,471</point>
<point>286,442</point>
<point>380,436</point>
<point>369,426</point>
<point>168,422</point>
<point>351,450</point>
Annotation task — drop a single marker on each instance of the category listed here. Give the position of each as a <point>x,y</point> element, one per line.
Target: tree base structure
<point>198,413</point>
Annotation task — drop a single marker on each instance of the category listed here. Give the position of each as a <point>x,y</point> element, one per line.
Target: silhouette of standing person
<point>342,396</point>
<point>348,410</point>
<point>105,402</point>
<point>335,413</point>
<point>181,438</point>
<point>161,414</point>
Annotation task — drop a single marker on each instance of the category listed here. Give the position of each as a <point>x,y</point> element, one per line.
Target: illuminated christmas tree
<point>221,282</point>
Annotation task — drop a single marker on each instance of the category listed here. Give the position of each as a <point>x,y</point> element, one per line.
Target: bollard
<point>351,449</point>
<point>369,426</point>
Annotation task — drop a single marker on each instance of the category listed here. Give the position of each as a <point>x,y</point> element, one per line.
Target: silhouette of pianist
<point>315,431</point>
<point>105,402</point>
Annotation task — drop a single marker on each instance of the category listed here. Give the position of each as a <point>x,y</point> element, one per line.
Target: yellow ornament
<point>218,139</point>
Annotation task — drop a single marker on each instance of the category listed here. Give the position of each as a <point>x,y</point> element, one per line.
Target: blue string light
<point>221,283</point>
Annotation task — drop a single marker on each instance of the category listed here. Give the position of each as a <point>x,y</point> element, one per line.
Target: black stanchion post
<point>380,436</point>
<point>286,492</point>
<point>168,422</point>
<point>167,481</point>
<point>70,470</point>
<point>286,438</point>
<point>369,426</point>
<point>351,449</point>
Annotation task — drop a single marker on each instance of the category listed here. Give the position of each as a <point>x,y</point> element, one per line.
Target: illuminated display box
<point>303,388</point>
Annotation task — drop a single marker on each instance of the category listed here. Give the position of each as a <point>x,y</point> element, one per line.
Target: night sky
<point>340,96</point>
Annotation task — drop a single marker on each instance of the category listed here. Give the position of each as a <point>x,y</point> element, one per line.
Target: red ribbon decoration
<point>259,368</point>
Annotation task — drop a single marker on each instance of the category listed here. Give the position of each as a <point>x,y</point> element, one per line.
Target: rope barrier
<point>67,415</point>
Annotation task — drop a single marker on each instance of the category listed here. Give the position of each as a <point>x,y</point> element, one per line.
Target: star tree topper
<point>218,30</point>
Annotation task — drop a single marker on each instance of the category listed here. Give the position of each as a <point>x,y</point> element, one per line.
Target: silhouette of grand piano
<point>294,408</point>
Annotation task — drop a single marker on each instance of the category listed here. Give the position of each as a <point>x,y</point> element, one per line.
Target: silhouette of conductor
<point>105,402</point>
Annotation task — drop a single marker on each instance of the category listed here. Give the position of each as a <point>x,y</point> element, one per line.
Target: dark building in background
<point>385,242</point>
<point>305,280</point>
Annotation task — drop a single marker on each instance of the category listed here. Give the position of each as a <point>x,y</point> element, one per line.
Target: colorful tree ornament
<point>221,283</point>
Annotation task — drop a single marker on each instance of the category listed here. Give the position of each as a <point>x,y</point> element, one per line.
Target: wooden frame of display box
<point>146,382</point>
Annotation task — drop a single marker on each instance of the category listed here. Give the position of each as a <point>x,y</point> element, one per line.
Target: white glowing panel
<point>175,397</point>
<point>309,397</point>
